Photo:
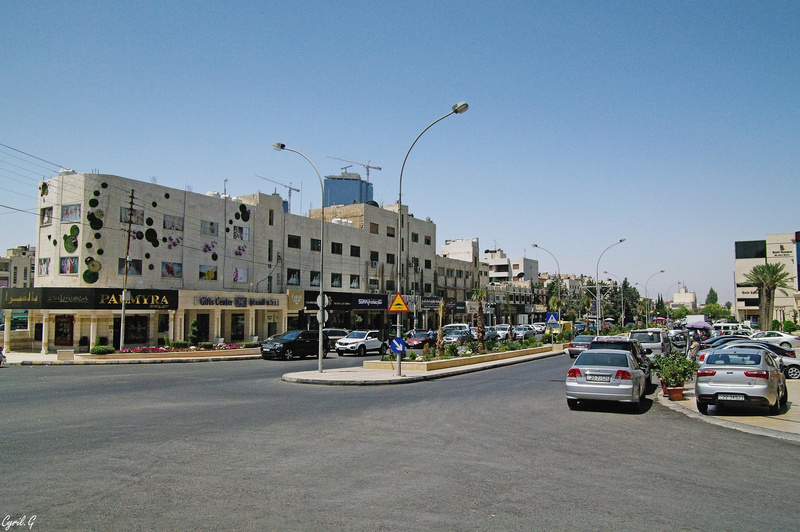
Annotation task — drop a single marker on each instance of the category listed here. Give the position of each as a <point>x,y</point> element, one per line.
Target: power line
<point>33,156</point>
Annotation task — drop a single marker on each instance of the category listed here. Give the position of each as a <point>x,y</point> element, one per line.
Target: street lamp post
<point>668,289</point>
<point>558,268</point>
<point>646,295</point>
<point>622,292</point>
<point>597,281</point>
<point>459,108</point>
<point>321,302</point>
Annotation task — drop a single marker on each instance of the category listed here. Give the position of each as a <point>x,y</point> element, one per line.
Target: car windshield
<point>646,337</point>
<point>357,334</point>
<point>615,345</point>
<point>602,358</point>
<point>583,339</point>
<point>291,335</point>
<point>420,335</point>
<point>451,329</point>
<point>733,359</point>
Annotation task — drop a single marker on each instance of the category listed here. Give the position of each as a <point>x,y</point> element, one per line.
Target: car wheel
<point>775,409</point>
<point>288,355</point>
<point>793,372</point>
<point>785,398</point>
<point>265,357</point>
<point>572,404</point>
<point>383,349</point>
<point>362,351</point>
<point>702,407</point>
<point>785,345</point>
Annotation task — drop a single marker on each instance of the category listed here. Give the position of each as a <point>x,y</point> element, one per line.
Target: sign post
<point>398,304</point>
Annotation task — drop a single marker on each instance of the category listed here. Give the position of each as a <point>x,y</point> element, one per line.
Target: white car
<point>540,327</point>
<point>502,331</point>
<point>789,341</point>
<point>361,343</point>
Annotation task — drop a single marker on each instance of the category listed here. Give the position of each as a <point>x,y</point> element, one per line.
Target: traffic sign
<point>322,316</point>
<point>552,318</point>
<point>398,304</point>
<point>324,303</point>
<point>397,345</point>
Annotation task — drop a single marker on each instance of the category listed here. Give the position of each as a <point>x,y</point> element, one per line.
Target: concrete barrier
<point>65,354</point>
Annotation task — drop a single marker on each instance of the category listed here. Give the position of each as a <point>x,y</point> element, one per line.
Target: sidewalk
<point>51,359</point>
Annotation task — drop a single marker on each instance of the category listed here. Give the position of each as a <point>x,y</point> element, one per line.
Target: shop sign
<point>370,301</point>
<point>430,303</point>
<point>236,301</point>
<point>87,299</point>
<point>336,300</point>
<point>461,307</point>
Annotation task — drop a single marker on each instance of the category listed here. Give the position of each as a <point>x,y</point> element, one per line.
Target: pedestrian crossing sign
<point>398,304</point>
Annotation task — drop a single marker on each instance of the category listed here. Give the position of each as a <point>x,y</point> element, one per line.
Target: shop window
<point>292,277</point>
<point>173,223</point>
<point>46,216</point>
<point>314,278</point>
<point>134,267</point>
<point>127,215</point>
<point>67,266</point>
<point>72,213</point>
<point>336,280</point>
<point>355,281</point>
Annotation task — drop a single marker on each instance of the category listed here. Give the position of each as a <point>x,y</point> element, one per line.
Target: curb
<point>403,379</point>
<point>130,361</point>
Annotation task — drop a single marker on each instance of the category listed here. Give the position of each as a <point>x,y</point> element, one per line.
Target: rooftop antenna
<point>289,186</point>
<point>367,165</point>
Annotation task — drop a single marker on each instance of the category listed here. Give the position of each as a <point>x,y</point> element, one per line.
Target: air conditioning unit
<point>374,263</point>
<point>373,290</point>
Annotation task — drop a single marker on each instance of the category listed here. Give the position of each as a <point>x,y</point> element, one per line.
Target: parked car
<point>786,357</point>
<point>657,340</point>
<point>489,333</point>
<point>334,335</point>
<point>709,345</point>
<point>293,344</point>
<point>361,343</point>
<point>540,327</point>
<point>420,339</point>
<point>2,357</point>
<point>458,336</point>
<point>738,377</point>
<point>679,338</point>
<point>523,332</point>
<point>606,375</point>
<point>634,347</point>
<point>778,338</point>
<point>578,345</point>
<point>502,331</point>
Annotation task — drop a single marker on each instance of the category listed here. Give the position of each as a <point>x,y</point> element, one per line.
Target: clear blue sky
<point>675,125</point>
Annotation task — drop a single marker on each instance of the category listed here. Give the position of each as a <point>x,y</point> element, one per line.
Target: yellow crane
<point>367,166</point>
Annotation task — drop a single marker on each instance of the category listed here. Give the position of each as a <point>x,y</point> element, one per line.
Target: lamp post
<point>622,292</point>
<point>597,281</point>
<point>459,108</point>
<point>668,289</point>
<point>558,268</point>
<point>321,300</point>
<point>646,294</point>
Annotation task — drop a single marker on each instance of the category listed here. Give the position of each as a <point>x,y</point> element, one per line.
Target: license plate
<point>730,397</point>
<point>598,378</point>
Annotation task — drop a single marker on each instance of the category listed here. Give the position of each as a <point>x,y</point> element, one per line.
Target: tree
<point>712,297</point>
<point>480,296</point>
<point>767,278</point>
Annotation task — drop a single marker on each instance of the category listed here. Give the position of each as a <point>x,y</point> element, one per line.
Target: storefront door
<point>65,328</point>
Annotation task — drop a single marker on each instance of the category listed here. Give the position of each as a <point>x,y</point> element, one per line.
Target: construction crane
<point>367,166</point>
<point>289,186</point>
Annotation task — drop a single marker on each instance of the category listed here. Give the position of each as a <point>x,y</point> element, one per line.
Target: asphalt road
<point>229,446</point>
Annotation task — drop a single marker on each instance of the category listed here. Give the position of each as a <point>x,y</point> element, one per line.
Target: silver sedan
<point>606,375</point>
<point>788,341</point>
<point>741,377</point>
<point>578,345</point>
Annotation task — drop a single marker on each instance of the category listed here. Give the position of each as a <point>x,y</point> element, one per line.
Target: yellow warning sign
<point>398,304</point>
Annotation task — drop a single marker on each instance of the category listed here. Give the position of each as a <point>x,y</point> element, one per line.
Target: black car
<point>634,347</point>
<point>293,344</point>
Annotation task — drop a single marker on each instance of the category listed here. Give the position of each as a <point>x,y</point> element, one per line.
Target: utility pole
<point>125,294</point>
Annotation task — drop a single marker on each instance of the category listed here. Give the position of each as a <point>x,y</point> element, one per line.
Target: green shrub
<point>412,355</point>
<point>775,326</point>
<point>205,345</point>
<point>102,350</point>
<point>251,344</point>
<point>789,326</point>
<point>194,333</point>
<point>180,344</point>
<point>450,350</point>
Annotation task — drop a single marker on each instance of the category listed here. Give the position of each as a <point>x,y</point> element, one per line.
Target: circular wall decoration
<point>244,212</point>
<point>93,203</point>
<point>166,195</point>
<point>44,189</point>
<point>104,184</point>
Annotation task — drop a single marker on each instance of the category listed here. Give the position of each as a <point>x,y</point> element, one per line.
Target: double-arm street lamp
<point>667,293</point>
<point>647,295</point>
<point>321,300</point>
<point>622,291</point>
<point>459,108</point>
<point>597,281</point>
<point>558,268</point>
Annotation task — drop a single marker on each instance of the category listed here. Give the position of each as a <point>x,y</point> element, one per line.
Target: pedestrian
<point>694,347</point>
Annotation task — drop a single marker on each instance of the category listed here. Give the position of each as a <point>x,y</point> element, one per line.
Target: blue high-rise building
<point>346,188</point>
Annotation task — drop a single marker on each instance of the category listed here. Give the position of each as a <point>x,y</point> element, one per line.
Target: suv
<point>294,344</point>
<point>657,340</point>
<point>631,345</point>
<point>361,342</point>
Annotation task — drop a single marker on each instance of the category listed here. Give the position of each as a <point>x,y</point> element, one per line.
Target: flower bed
<point>414,365</point>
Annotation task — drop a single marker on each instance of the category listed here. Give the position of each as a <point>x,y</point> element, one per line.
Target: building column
<point>7,332</point>
<point>93,330</point>
<point>171,330</point>
<point>216,326</point>
<point>45,330</point>
<point>250,324</point>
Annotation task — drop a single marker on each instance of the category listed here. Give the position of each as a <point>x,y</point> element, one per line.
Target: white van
<point>734,328</point>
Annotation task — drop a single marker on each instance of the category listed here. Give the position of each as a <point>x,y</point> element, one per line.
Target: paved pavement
<point>785,425</point>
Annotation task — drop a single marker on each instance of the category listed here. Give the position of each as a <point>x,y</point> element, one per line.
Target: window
<point>336,248</point>
<point>241,233</point>
<point>427,241</point>
<point>415,237</point>
<point>374,256</point>
<point>355,281</point>
<point>208,273</point>
<point>355,251</point>
<point>292,277</point>
<point>46,216</point>
<point>427,264</point>
<point>271,217</point>
<point>134,216</point>
<point>72,213</point>
<point>427,288</point>
<point>44,267</point>
<point>171,270</point>
<point>269,251</point>
<point>373,285</point>
<point>316,244</point>
<point>390,258</point>
<point>460,274</point>
<point>209,228</point>
<point>14,276</point>
<point>173,223</point>
<point>314,278</point>
<point>390,285</point>
<point>373,228</point>
<point>240,275</point>
<point>134,267</point>
<point>336,280</point>
<point>294,241</point>
<point>390,231</point>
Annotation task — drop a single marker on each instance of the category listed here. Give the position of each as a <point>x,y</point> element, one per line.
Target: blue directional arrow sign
<point>397,345</point>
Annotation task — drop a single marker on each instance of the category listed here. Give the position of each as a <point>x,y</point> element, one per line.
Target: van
<point>734,328</point>
<point>657,340</point>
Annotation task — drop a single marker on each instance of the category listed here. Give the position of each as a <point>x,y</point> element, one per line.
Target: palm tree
<point>767,278</point>
<point>480,296</point>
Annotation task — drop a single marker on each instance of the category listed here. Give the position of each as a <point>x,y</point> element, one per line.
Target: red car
<point>418,340</point>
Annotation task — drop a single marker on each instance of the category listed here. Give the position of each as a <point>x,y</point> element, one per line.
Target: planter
<point>675,393</point>
<point>664,389</point>
<point>414,365</point>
